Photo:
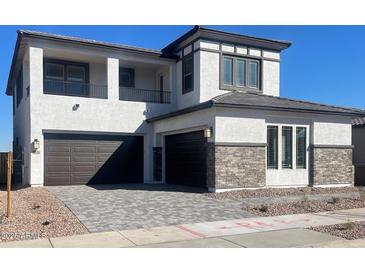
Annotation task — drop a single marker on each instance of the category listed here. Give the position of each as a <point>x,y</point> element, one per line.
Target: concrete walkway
<point>278,231</point>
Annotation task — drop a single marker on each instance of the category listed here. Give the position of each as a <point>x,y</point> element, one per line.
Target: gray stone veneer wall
<point>332,165</point>
<point>236,165</point>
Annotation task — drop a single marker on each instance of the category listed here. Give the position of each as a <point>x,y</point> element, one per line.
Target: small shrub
<point>46,223</point>
<point>263,208</point>
<point>334,200</point>
<point>36,206</point>
<point>347,226</point>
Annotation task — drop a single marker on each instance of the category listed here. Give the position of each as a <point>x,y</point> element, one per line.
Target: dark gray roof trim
<point>217,35</point>
<point>236,99</point>
<point>200,106</point>
<point>89,42</point>
<point>358,122</point>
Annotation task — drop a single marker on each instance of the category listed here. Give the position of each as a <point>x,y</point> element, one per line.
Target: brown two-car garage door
<point>92,159</point>
<point>186,159</point>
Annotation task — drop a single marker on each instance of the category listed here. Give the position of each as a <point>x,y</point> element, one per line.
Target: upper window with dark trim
<point>188,73</point>
<point>240,73</point>
<point>19,87</point>
<point>66,78</point>
<point>126,77</point>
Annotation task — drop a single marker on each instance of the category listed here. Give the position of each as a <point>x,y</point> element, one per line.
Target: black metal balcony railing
<point>57,87</point>
<point>144,95</point>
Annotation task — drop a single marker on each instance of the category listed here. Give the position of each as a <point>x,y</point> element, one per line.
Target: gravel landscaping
<point>37,213</point>
<point>279,192</point>
<point>304,206</point>
<point>349,231</point>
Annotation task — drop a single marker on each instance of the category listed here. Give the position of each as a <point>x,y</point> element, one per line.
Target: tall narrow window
<point>253,74</point>
<point>286,147</point>
<point>301,149</point>
<point>228,71</point>
<point>188,74</point>
<point>272,147</point>
<point>241,73</point>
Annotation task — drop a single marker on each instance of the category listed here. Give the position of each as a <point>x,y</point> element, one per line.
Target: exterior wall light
<point>75,107</point>
<point>208,132</point>
<point>35,145</point>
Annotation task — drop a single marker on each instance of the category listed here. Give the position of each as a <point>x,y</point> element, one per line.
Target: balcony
<point>78,89</point>
<point>144,95</point>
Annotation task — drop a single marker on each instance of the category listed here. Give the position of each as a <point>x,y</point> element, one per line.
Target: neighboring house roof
<point>237,99</point>
<point>216,35</point>
<point>359,122</point>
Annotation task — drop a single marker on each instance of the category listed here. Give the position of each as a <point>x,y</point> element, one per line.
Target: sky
<point>325,64</point>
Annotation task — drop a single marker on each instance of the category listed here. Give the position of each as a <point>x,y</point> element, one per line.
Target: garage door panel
<point>185,159</point>
<point>58,168</point>
<point>57,180</point>
<point>93,159</point>
<point>59,159</point>
<point>84,149</point>
<point>83,168</point>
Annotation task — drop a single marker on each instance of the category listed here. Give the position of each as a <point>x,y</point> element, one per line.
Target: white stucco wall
<point>332,131</point>
<point>53,113</point>
<point>271,78</point>
<point>239,126</point>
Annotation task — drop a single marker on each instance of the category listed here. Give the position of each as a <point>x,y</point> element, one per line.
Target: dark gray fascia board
<point>222,36</point>
<point>212,103</point>
<point>329,112</point>
<point>93,43</point>
<point>334,146</point>
<point>194,108</point>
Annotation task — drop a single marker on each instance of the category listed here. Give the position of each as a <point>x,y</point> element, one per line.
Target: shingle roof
<point>237,99</point>
<point>358,121</point>
<point>40,34</point>
<point>273,102</point>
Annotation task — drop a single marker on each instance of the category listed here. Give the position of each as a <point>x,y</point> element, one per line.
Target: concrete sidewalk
<point>277,231</point>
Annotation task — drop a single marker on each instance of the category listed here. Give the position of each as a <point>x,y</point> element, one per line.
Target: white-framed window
<point>287,146</point>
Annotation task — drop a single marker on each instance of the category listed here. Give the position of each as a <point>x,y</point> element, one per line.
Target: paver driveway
<point>119,207</point>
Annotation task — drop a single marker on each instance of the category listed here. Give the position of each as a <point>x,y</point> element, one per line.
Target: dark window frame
<point>65,64</point>
<point>276,154</point>
<point>304,165</point>
<point>19,87</point>
<point>132,83</point>
<point>184,59</point>
<point>247,60</point>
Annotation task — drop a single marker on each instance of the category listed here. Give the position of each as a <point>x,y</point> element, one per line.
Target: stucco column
<point>113,78</point>
<point>35,91</point>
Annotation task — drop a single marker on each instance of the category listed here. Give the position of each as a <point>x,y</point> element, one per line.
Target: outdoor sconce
<point>75,107</point>
<point>208,132</point>
<point>35,145</point>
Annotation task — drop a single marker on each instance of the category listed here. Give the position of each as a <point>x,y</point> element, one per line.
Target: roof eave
<point>210,33</point>
<point>329,112</point>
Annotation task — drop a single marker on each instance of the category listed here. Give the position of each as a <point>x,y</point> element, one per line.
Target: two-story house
<point>204,111</point>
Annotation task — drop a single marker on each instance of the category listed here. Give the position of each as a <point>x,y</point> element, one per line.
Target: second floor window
<point>188,73</point>
<point>65,78</point>
<point>240,73</point>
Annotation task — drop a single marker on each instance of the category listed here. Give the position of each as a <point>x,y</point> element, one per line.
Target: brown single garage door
<point>186,159</point>
<point>92,159</point>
